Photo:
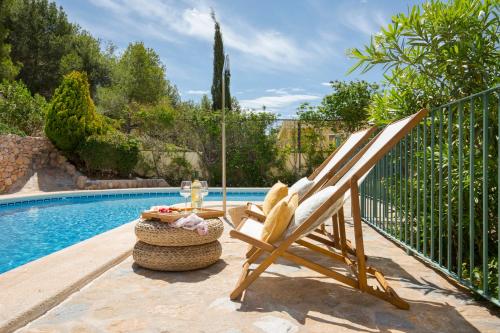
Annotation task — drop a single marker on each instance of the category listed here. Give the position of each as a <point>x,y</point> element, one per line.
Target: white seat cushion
<point>301,186</point>
<point>252,228</point>
<point>309,206</point>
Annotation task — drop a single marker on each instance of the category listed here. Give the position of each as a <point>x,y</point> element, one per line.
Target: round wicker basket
<point>176,258</point>
<point>160,233</point>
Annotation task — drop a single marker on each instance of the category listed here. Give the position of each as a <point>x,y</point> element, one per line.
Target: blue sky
<point>282,52</point>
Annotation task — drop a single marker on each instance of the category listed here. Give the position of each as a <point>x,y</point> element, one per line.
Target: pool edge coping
<point>22,197</point>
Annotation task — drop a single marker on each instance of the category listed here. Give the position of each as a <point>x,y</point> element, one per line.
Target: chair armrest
<point>256,216</point>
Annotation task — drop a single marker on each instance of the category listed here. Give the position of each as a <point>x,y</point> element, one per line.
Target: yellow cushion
<point>275,194</point>
<point>279,218</point>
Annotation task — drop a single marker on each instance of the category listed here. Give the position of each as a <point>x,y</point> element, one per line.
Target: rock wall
<point>20,156</point>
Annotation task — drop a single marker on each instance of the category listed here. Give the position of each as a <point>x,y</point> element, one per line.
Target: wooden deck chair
<point>326,170</point>
<point>320,176</point>
<point>349,179</point>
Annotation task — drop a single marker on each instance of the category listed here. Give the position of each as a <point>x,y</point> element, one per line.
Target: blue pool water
<point>31,230</point>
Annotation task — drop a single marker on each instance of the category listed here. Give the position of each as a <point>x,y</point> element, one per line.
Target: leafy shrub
<point>178,170</point>
<point>71,115</point>
<point>6,129</point>
<point>20,112</point>
<point>113,153</point>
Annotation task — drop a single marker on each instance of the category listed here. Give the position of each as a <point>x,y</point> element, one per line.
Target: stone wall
<point>20,156</point>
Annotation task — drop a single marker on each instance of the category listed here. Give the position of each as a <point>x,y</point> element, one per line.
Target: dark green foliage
<point>178,170</point>
<point>40,35</point>
<point>8,70</point>
<point>19,110</point>
<point>348,103</point>
<point>113,153</point>
<point>437,53</point>
<point>141,74</point>
<point>253,158</point>
<point>217,74</point>
<point>154,121</point>
<point>85,56</point>
<point>138,79</point>
<point>71,115</point>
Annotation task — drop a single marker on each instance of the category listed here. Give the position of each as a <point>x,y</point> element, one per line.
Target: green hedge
<point>113,153</point>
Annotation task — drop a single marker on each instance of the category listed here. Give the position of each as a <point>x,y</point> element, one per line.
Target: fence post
<point>299,146</point>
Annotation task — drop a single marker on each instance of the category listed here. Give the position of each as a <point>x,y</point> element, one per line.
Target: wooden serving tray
<point>204,213</point>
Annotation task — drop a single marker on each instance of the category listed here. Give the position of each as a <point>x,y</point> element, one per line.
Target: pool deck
<point>32,289</point>
<point>287,298</point>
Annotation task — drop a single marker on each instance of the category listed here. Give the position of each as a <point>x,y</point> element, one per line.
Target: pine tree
<point>218,67</point>
<point>8,70</point>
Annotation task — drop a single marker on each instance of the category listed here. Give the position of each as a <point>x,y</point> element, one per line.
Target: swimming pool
<point>35,228</point>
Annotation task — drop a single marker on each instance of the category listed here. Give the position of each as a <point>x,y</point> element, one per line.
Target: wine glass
<point>204,188</point>
<point>185,191</point>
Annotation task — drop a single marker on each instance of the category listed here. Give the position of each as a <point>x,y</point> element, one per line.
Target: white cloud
<point>197,92</point>
<point>364,20</point>
<point>326,84</point>
<point>276,102</point>
<point>284,91</point>
<point>280,91</point>
<point>166,19</point>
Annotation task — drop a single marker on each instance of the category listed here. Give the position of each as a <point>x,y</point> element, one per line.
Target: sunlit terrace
<point>137,196</point>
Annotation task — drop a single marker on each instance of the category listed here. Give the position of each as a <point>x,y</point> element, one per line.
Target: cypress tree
<point>218,67</point>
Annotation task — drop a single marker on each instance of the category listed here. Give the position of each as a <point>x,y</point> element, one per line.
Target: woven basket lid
<point>162,234</point>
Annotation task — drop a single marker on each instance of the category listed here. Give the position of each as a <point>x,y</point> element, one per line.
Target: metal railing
<point>436,192</point>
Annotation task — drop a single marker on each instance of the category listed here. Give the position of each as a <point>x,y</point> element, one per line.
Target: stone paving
<point>287,298</point>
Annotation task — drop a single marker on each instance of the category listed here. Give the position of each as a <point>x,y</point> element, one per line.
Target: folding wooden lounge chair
<point>320,176</point>
<point>348,180</point>
<point>327,169</point>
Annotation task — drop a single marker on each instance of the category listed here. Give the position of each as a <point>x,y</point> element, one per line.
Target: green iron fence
<point>436,192</point>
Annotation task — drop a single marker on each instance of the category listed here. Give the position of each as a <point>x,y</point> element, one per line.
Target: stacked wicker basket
<point>164,248</point>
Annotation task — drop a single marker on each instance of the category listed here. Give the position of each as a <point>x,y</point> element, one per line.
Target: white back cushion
<point>301,187</point>
<point>309,206</point>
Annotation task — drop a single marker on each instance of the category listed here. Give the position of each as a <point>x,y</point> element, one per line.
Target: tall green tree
<point>85,55</point>
<point>40,35</point>
<point>141,74</point>
<point>348,103</point>
<point>8,70</point>
<point>138,80</point>
<point>217,74</point>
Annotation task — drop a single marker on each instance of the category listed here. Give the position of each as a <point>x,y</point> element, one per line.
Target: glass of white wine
<point>185,191</point>
<point>204,189</point>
